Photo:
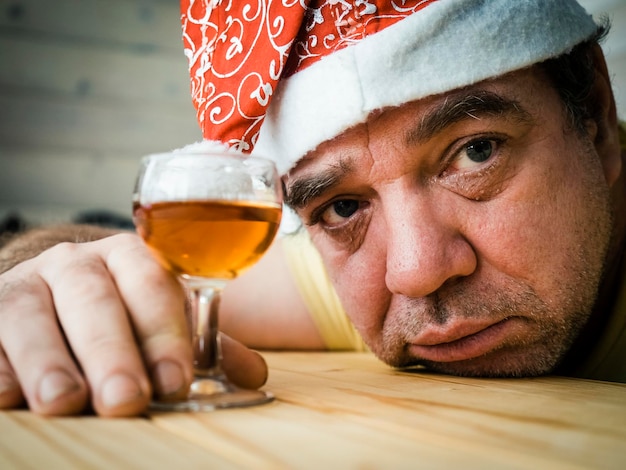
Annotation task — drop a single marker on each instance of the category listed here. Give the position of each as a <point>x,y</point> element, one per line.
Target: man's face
<point>465,232</point>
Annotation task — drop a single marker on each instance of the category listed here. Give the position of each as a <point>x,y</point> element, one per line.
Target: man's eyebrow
<point>306,188</point>
<point>463,106</point>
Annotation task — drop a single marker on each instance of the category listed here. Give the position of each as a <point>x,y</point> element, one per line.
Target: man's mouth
<point>463,341</point>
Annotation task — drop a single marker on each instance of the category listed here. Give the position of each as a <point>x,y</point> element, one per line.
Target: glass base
<point>210,394</point>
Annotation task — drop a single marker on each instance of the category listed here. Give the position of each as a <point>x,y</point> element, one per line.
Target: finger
<point>162,327</point>
<point>243,366</point>
<point>36,350</point>
<point>96,324</point>
<point>158,317</point>
<point>10,390</point>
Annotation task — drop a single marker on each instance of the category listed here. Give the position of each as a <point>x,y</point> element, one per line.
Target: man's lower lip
<point>465,348</point>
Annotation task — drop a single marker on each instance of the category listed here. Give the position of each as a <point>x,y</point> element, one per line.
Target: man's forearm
<point>29,244</point>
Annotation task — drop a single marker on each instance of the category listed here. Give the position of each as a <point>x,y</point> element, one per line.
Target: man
<point>456,163</point>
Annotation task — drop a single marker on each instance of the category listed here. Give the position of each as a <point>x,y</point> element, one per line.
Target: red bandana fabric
<point>238,51</point>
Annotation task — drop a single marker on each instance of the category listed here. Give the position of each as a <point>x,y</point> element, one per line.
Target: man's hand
<point>100,324</point>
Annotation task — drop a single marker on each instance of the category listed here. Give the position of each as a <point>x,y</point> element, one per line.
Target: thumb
<point>243,366</point>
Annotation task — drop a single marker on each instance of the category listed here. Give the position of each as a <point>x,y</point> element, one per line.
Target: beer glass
<point>207,216</point>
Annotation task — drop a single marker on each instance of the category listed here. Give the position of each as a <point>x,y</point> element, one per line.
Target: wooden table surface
<point>344,411</point>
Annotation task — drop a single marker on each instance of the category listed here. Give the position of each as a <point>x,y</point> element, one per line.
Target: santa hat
<point>277,78</point>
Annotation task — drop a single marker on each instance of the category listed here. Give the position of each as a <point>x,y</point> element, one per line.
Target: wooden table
<point>344,411</point>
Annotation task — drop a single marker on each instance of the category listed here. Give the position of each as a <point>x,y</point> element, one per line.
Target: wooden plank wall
<point>89,86</point>
<point>86,88</point>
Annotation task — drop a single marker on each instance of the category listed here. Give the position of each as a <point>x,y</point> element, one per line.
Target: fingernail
<point>118,390</point>
<point>168,378</point>
<point>55,384</point>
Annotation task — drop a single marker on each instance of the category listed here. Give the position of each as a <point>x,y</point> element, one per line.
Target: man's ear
<point>604,116</point>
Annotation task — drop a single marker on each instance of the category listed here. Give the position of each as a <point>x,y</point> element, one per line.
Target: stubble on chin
<point>536,348</point>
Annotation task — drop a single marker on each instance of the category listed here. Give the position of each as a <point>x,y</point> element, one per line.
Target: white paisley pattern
<point>238,50</point>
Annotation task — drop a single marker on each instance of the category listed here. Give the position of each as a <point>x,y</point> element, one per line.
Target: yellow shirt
<point>319,295</point>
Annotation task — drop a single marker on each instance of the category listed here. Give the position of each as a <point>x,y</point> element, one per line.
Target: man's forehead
<point>334,152</point>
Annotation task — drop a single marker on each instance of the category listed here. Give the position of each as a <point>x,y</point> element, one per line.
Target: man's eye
<point>479,151</point>
<point>345,208</point>
<point>338,212</point>
<point>473,153</point>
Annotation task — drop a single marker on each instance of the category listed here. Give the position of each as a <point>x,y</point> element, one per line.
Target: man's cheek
<point>365,300</point>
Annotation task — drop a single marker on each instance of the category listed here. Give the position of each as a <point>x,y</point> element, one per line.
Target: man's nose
<point>425,248</point>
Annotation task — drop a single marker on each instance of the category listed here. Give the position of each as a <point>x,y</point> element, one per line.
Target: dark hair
<point>573,74</point>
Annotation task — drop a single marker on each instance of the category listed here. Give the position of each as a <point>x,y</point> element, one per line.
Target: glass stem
<point>205,302</point>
